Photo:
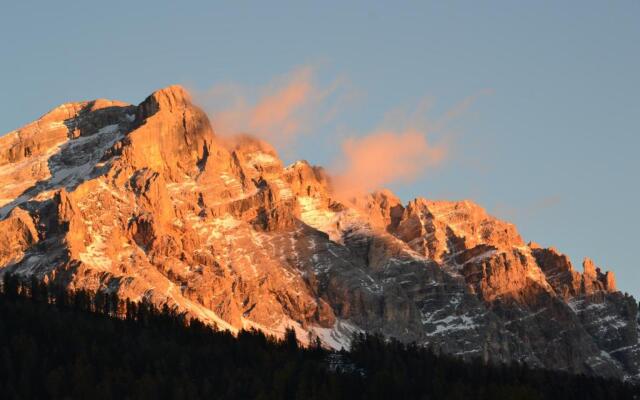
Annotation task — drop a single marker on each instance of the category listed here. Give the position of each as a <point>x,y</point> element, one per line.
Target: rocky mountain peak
<point>170,99</point>
<point>589,268</point>
<point>147,202</point>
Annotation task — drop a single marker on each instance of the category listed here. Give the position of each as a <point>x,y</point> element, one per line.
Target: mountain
<point>147,202</point>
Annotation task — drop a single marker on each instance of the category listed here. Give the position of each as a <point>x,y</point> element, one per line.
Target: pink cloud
<point>384,157</point>
<point>290,105</point>
<point>399,151</point>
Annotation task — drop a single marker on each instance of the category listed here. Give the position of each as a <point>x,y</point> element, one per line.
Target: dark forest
<point>79,345</point>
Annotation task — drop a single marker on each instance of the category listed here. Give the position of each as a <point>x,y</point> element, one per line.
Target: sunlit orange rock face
<point>148,202</point>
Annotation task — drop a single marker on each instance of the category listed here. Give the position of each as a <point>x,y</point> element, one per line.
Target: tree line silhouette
<point>61,344</point>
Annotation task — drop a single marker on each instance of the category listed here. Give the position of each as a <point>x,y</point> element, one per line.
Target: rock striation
<point>147,202</point>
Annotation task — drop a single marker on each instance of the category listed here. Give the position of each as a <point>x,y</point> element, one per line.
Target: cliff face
<point>148,202</point>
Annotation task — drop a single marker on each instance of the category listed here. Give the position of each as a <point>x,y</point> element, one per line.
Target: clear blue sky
<point>553,148</point>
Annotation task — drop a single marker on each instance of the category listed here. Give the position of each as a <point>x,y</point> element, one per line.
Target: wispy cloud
<point>289,106</point>
<point>382,158</point>
<point>460,109</point>
<point>401,150</point>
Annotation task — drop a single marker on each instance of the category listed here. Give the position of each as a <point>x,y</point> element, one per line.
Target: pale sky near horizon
<point>543,97</point>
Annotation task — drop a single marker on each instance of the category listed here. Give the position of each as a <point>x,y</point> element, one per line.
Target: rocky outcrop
<point>146,201</point>
<point>17,234</point>
<point>173,135</point>
<point>440,229</point>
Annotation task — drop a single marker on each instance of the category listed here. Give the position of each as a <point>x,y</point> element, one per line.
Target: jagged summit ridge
<point>147,201</point>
